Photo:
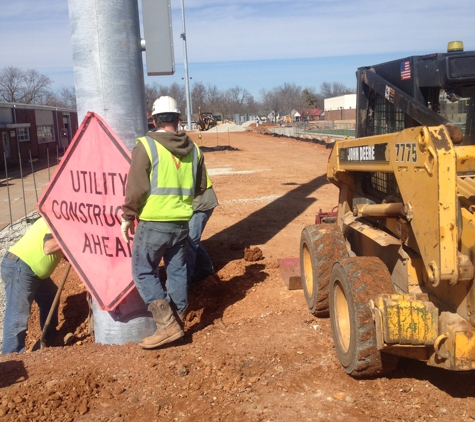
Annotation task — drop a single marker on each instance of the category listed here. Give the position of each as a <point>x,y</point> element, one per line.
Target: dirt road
<point>252,351</point>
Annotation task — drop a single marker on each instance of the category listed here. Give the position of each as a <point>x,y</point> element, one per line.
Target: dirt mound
<point>253,254</point>
<point>265,128</point>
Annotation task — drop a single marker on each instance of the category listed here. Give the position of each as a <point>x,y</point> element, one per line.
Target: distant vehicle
<point>206,120</point>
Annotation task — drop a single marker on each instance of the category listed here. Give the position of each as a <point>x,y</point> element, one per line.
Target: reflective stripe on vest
<point>171,192</point>
<point>155,189</point>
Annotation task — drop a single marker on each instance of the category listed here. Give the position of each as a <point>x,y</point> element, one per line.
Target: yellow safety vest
<point>30,250</point>
<point>172,183</point>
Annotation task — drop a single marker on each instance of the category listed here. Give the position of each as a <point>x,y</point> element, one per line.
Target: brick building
<point>340,108</point>
<point>35,129</point>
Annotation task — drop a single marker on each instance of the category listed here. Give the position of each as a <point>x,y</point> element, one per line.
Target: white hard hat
<point>165,104</point>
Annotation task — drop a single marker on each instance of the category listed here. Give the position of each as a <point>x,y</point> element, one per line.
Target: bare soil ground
<point>252,350</point>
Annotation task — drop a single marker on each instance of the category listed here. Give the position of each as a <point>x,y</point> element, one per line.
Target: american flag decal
<point>405,70</point>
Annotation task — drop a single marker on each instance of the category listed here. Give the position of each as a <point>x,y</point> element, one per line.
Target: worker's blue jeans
<point>198,262</point>
<point>22,286</point>
<point>153,241</point>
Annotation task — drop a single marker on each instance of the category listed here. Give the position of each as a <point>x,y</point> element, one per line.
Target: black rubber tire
<point>321,245</point>
<point>353,282</point>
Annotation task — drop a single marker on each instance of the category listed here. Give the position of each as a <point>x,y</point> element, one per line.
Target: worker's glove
<point>125,227</point>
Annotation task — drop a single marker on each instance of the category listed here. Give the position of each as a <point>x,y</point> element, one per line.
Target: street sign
<point>82,206</point>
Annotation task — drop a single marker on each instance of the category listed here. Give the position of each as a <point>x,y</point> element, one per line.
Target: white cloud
<point>241,30</point>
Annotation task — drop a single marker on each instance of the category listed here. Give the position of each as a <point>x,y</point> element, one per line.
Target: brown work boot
<point>168,329</point>
<point>182,315</point>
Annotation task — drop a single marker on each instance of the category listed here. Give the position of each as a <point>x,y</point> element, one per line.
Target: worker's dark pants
<point>198,262</point>
<point>22,286</point>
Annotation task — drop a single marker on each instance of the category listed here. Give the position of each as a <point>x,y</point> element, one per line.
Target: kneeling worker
<point>166,172</point>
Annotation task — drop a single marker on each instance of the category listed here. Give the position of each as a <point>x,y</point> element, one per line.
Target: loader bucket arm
<point>419,113</point>
<point>422,160</point>
<point>402,100</point>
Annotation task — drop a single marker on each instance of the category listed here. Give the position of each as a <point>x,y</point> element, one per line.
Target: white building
<point>343,102</point>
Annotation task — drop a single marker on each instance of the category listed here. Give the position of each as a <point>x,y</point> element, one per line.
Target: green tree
<point>309,99</point>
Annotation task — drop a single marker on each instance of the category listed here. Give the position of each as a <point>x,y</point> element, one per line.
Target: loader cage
<point>375,187</point>
<point>437,90</point>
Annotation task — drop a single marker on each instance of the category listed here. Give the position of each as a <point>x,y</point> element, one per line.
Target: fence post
<point>33,173</point>
<point>22,181</point>
<point>8,188</point>
<point>47,161</point>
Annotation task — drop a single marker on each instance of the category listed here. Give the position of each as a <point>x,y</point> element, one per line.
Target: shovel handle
<point>53,306</point>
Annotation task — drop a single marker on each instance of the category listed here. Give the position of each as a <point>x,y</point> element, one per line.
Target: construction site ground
<point>252,351</point>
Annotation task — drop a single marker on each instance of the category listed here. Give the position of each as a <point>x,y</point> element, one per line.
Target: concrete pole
<point>185,61</point>
<point>108,68</point>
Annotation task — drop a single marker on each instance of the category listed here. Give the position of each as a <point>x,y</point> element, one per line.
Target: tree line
<point>31,87</point>
<point>279,100</point>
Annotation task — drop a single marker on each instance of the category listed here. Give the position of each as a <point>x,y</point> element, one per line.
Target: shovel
<point>53,306</point>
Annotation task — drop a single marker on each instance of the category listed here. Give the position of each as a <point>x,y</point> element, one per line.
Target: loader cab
<point>414,91</point>
<point>458,106</point>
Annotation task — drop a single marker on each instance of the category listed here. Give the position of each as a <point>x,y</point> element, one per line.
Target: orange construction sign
<point>82,206</point>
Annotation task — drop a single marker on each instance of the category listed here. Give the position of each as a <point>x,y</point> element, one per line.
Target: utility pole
<point>109,81</point>
<point>108,69</point>
<point>185,60</point>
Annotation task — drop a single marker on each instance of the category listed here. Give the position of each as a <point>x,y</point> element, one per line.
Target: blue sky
<point>256,43</point>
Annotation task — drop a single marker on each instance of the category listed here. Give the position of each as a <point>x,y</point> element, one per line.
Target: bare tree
<point>35,84</point>
<point>225,107</point>
<point>198,95</point>
<point>11,84</point>
<point>237,99</point>
<point>151,94</point>
<point>49,98</point>
<point>271,101</point>
<point>334,89</point>
<point>290,95</point>
<point>68,97</point>
<point>252,106</point>
<point>19,86</point>
<point>282,99</point>
<point>175,90</point>
<point>213,98</point>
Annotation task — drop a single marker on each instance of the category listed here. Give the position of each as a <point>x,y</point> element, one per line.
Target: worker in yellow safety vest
<point>26,271</point>
<point>166,173</point>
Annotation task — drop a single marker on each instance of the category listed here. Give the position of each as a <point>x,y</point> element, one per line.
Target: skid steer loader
<point>395,272</point>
